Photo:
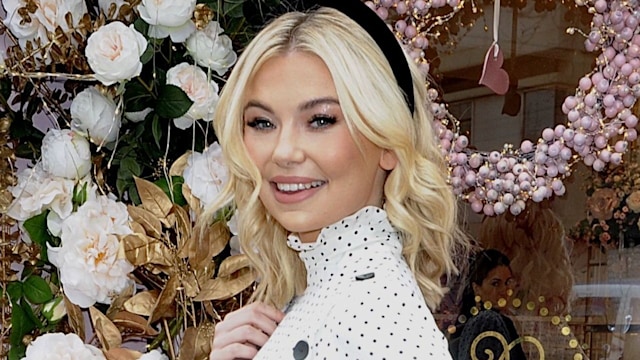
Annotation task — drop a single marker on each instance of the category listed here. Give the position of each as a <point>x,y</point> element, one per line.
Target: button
<point>366,276</point>
<point>301,350</point>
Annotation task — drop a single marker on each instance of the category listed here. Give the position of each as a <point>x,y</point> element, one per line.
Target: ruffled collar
<point>364,229</point>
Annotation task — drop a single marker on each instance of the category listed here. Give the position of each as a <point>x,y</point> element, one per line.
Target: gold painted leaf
<point>137,228</point>
<point>202,249</point>
<point>222,288</point>
<point>190,284</point>
<point>197,342</point>
<point>183,225</point>
<point>142,303</point>
<point>134,323</point>
<point>165,306</point>
<point>178,166</point>
<point>194,202</point>
<point>141,250</point>
<point>153,198</point>
<point>149,221</point>
<point>122,354</point>
<point>76,318</point>
<point>106,331</point>
<point>233,264</point>
<point>117,304</point>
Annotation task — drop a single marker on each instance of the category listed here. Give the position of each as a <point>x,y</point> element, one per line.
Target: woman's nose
<point>288,149</point>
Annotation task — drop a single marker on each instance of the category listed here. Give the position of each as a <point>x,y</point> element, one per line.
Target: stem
<point>169,340</point>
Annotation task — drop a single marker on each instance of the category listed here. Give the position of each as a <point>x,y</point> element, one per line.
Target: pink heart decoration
<point>493,76</point>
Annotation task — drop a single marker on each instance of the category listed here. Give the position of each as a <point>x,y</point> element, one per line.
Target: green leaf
<point>233,8</point>
<point>21,325</point>
<point>28,312</point>
<point>147,55</point>
<point>36,290</point>
<point>173,102</point>
<point>137,97</point>
<point>177,181</point>
<point>79,195</point>
<point>128,169</point>
<point>14,290</point>
<point>17,351</point>
<point>156,129</point>
<point>141,26</point>
<point>37,229</point>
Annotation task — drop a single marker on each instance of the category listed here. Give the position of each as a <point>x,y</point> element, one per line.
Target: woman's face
<point>495,286</point>
<point>296,134</point>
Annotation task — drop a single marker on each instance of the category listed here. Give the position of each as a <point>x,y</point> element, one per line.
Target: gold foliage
<point>142,303</point>
<point>165,306</point>
<point>76,319</point>
<point>142,250</point>
<point>133,323</point>
<point>108,334</point>
<point>153,198</point>
<point>122,354</point>
<point>197,342</point>
<point>222,288</point>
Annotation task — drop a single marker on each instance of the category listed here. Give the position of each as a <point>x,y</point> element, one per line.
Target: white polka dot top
<point>361,301</point>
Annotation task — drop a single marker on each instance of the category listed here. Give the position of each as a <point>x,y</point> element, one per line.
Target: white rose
<point>234,242</point>
<point>94,115</point>
<point>24,31</point>
<point>37,191</point>
<point>168,18</point>
<point>633,201</point>
<point>211,49</point>
<point>114,51</point>
<point>206,174</point>
<point>154,355</point>
<point>90,269</point>
<point>104,5</point>
<point>137,116</point>
<point>55,346</point>
<point>52,13</point>
<point>202,91</point>
<point>66,154</point>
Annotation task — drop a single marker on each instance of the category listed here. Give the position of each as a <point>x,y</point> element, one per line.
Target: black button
<point>366,276</point>
<point>301,350</point>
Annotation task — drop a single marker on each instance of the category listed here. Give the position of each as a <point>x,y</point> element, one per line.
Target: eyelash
<point>317,122</point>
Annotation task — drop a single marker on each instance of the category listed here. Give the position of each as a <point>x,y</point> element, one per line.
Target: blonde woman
<point>344,208</point>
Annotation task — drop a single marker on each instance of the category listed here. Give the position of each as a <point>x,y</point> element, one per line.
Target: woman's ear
<point>388,160</point>
<point>476,289</point>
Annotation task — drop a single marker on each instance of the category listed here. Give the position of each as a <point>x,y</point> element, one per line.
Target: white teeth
<point>298,187</point>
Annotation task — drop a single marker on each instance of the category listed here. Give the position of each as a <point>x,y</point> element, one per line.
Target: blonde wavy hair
<point>419,202</point>
<point>535,243</point>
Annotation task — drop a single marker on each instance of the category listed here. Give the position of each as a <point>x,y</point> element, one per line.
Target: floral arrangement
<point>613,206</point>
<point>110,101</point>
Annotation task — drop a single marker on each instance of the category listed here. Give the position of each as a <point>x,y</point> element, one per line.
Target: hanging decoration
<point>493,75</point>
<point>600,122</point>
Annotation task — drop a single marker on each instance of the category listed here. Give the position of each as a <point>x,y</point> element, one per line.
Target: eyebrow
<point>302,107</point>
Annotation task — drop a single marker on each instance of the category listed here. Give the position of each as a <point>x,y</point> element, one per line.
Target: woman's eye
<point>260,124</point>
<point>321,121</point>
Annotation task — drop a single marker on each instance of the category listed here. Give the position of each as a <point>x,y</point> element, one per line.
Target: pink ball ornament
<point>499,208</point>
<point>401,7</point>
<point>488,210</point>
<point>598,165</point>
<point>548,134</point>
<point>621,146</point>
<point>631,121</point>
<point>494,157</point>
<point>539,194</point>
<point>470,178</point>
<point>585,83</point>
<point>616,159</point>
<point>502,165</point>
<point>516,209</point>
<point>632,134</point>
<point>600,141</point>
<point>526,146</point>
<point>476,206</point>
<point>400,26</point>
<point>565,154</point>
<point>492,195</point>
<point>589,159</point>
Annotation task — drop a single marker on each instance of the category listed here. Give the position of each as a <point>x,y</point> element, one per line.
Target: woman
<point>341,189</point>
<point>489,287</point>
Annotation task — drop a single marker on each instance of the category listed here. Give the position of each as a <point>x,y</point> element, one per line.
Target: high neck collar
<point>367,228</point>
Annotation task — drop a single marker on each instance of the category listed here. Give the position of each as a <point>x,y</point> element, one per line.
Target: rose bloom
<point>212,50</point>
<point>114,51</point>
<point>94,115</point>
<point>604,238</point>
<point>202,91</point>
<point>206,174</point>
<point>168,18</point>
<point>48,15</point>
<point>90,269</point>
<point>154,355</point>
<point>66,154</point>
<point>602,203</point>
<point>37,191</point>
<point>633,201</point>
<point>57,346</point>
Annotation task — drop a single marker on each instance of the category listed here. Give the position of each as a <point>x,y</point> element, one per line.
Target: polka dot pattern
<point>361,301</point>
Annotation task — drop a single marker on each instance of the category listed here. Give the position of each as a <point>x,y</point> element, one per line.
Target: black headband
<point>359,12</point>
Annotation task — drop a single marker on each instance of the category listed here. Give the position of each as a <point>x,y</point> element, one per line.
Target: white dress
<point>361,300</point>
